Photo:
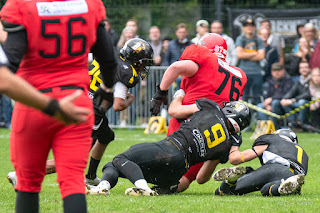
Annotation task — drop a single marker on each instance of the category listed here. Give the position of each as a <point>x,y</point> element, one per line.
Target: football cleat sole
<point>140,192</point>
<point>229,174</point>
<point>96,190</point>
<point>12,178</point>
<point>291,185</point>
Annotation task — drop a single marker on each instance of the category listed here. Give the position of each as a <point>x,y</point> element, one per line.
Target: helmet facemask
<point>143,67</point>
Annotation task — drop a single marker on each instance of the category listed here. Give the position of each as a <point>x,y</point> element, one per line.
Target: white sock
<point>142,184</point>
<point>105,183</point>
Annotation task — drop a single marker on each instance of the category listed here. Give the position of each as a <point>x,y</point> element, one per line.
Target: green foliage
<point>198,198</point>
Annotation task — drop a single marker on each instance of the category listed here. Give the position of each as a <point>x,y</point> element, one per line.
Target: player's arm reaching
<point>186,68</point>
<point>104,54</point>
<point>236,157</point>
<point>179,111</point>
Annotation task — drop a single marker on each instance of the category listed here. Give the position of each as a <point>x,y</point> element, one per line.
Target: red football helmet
<point>215,43</point>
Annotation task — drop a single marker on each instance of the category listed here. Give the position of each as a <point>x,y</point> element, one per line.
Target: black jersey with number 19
<point>205,134</point>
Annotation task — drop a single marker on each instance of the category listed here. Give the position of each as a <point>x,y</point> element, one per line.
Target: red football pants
<point>33,134</point>
<point>192,172</point>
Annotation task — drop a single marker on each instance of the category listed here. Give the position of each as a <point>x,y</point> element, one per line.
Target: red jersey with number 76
<point>60,34</point>
<point>215,80</point>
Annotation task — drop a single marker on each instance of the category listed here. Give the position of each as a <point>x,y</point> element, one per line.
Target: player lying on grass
<point>284,165</point>
<point>206,136</point>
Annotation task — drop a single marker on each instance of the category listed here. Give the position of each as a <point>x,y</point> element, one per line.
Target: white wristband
<point>180,92</point>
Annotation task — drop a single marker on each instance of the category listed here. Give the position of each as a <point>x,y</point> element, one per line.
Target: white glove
<point>180,92</point>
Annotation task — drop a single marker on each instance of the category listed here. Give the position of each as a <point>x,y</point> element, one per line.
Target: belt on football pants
<point>61,88</point>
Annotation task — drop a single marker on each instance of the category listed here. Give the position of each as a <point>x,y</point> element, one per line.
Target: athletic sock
<point>93,166</point>
<point>27,202</point>
<point>75,203</point>
<point>142,184</point>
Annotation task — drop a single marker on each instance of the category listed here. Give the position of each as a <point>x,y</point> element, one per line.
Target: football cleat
<point>291,185</point>
<point>229,174</point>
<point>12,178</point>
<point>93,182</point>
<point>100,189</point>
<point>140,192</point>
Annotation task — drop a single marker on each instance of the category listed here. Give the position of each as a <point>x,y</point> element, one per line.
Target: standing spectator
<point>165,45</point>
<point>134,24</point>
<point>315,94</point>
<point>271,53</point>
<point>112,33</point>
<point>310,33</point>
<point>250,50</point>
<point>127,33</point>
<point>156,44</point>
<point>217,27</point>
<point>274,90</point>
<point>303,54</point>
<point>54,60</point>
<point>275,39</point>
<point>202,28</point>
<point>176,47</point>
<point>314,60</point>
<point>300,32</point>
<point>298,95</point>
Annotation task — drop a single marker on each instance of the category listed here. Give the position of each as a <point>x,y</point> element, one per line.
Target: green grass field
<point>198,198</point>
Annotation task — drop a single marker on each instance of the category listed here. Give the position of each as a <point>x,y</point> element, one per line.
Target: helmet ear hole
<point>238,114</point>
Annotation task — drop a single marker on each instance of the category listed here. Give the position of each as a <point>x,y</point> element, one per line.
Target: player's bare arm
<point>179,111</point>
<point>186,68</point>
<point>206,171</point>
<point>236,157</point>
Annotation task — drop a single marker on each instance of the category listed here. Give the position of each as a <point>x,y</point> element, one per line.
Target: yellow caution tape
<point>296,110</point>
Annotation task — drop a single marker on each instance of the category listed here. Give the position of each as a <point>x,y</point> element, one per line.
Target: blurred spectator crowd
<point>278,80</point>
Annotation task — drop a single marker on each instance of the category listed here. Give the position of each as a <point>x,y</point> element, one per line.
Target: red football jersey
<point>60,35</point>
<point>215,80</point>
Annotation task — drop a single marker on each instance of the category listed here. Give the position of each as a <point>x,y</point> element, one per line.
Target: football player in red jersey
<point>206,74</point>
<point>48,43</point>
<point>20,90</point>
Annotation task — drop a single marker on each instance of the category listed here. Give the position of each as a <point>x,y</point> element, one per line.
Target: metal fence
<point>138,113</point>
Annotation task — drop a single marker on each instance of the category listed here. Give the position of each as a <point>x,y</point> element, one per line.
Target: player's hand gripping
<point>160,97</point>
<point>68,113</point>
<point>103,99</point>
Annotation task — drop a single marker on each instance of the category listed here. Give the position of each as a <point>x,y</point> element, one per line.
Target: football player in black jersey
<point>284,166</point>
<point>206,136</point>
<point>132,60</point>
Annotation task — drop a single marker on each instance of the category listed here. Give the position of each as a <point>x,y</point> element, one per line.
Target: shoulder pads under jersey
<point>9,27</point>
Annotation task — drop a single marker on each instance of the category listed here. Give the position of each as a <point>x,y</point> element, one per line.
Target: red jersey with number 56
<point>215,80</point>
<point>60,35</point>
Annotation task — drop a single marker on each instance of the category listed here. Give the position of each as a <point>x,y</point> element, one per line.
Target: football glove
<point>160,97</point>
<point>103,100</point>
<point>236,140</point>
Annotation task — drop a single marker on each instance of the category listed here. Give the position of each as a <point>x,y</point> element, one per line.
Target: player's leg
<point>108,180</point>
<point>291,185</point>
<point>102,135</point>
<point>29,149</point>
<point>188,177</point>
<point>71,146</point>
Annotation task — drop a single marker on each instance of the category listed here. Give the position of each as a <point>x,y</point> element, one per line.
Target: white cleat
<point>100,189</point>
<point>93,182</point>
<point>140,192</point>
<point>291,185</point>
<point>229,174</point>
<point>12,178</point>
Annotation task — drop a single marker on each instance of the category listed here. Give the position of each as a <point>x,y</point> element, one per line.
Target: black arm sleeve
<point>15,47</point>
<point>104,54</point>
